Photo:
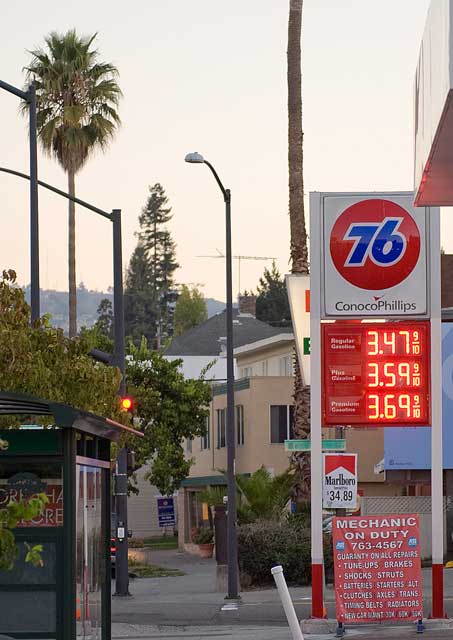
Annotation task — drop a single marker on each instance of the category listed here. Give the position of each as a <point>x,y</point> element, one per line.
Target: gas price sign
<point>376,374</point>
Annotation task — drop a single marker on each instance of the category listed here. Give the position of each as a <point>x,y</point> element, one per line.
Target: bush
<point>264,544</point>
<point>203,535</point>
<point>136,543</point>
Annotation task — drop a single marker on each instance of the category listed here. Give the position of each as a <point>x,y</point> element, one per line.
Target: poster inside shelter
<point>377,568</point>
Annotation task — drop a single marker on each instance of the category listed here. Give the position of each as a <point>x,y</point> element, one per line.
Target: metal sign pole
<point>437,511</point>
<point>317,555</point>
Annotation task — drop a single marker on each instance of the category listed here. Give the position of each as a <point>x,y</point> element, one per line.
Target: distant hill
<point>56,304</point>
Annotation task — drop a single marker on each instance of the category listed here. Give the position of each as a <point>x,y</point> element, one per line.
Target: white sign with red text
<point>339,488</point>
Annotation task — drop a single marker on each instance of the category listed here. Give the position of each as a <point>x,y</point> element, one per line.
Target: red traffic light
<point>126,403</point>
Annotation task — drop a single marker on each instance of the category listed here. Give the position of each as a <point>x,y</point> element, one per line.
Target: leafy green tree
<point>77,100</point>
<point>272,305</point>
<point>261,496</point>
<point>139,313</point>
<point>169,409</point>
<point>190,310</point>
<point>10,516</point>
<point>43,362</point>
<point>160,251</point>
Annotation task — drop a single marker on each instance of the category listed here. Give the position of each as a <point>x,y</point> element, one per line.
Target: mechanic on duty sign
<point>377,565</point>
<point>339,481</point>
<point>374,256</point>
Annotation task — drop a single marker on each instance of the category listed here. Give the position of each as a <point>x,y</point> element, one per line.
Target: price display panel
<point>376,374</point>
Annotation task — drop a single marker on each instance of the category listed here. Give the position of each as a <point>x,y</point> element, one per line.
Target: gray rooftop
<point>205,338</point>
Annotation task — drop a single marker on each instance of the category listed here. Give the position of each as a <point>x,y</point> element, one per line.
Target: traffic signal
<point>126,404</point>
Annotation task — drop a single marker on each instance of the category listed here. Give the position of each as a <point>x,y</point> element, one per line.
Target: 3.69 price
<point>391,406</point>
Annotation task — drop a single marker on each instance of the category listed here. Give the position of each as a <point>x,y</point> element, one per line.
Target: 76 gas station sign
<point>374,333</point>
<point>374,257</point>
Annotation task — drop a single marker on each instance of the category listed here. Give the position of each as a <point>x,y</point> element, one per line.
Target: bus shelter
<point>69,596</point>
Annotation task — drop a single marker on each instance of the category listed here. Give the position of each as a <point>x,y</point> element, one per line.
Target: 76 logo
<point>379,241</point>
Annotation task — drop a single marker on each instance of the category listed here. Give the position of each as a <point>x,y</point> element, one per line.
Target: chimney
<point>247,305</point>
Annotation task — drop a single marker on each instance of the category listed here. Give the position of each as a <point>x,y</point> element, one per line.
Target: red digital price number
<point>376,374</point>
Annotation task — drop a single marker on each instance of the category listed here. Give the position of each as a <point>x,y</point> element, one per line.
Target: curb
<point>327,626</point>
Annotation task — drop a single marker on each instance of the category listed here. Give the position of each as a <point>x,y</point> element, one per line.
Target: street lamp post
<point>30,97</point>
<point>118,298</point>
<point>197,158</point>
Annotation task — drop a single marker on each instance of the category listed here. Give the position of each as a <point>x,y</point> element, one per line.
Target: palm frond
<point>77,97</point>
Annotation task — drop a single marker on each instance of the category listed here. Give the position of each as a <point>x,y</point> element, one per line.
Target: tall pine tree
<point>139,315</point>
<point>150,287</point>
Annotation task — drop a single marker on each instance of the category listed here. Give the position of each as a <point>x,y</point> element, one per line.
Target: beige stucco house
<point>263,412</point>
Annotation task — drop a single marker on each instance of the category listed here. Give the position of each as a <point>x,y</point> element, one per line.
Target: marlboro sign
<point>339,481</point>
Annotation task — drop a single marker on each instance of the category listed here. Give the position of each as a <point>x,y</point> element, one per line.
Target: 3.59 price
<point>391,406</point>
<point>394,374</point>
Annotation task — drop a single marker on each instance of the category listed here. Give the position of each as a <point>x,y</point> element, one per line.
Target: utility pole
<point>122,543</point>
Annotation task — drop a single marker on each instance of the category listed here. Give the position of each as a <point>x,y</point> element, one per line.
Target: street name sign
<point>339,489</point>
<point>305,445</point>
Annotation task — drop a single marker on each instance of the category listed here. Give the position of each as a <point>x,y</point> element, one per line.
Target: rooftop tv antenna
<point>238,258</point>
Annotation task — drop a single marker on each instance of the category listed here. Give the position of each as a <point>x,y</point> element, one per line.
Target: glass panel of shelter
<point>90,556</point>
<point>29,594</point>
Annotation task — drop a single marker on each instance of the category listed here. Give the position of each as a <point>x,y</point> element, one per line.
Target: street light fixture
<point>30,97</point>
<point>118,297</point>
<point>197,158</point>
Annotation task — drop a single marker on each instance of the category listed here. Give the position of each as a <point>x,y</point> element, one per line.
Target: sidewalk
<point>163,604</point>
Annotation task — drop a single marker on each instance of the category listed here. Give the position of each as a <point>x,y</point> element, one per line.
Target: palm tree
<point>298,233</point>
<point>260,495</point>
<point>77,97</point>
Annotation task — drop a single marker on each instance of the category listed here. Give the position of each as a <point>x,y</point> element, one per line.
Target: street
<point>188,606</point>
<point>137,632</point>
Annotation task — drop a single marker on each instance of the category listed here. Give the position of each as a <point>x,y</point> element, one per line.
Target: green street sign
<point>305,445</point>
<point>306,346</point>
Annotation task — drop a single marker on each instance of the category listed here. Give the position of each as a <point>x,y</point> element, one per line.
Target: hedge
<point>264,544</point>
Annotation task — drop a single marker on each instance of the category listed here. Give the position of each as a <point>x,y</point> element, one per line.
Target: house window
<point>206,438</point>
<point>189,445</point>
<point>285,366</point>
<point>247,372</point>
<point>221,428</point>
<point>240,424</point>
<point>281,417</point>
<point>264,368</point>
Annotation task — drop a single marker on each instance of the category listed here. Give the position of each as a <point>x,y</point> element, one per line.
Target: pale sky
<point>210,76</point>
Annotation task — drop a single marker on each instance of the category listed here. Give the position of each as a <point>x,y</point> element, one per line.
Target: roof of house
<point>206,338</point>
<point>257,345</point>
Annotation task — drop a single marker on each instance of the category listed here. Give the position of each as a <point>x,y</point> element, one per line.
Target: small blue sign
<point>340,545</point>
<point>166,512</point>
<point>412,542</point>
<point>410,448</point>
